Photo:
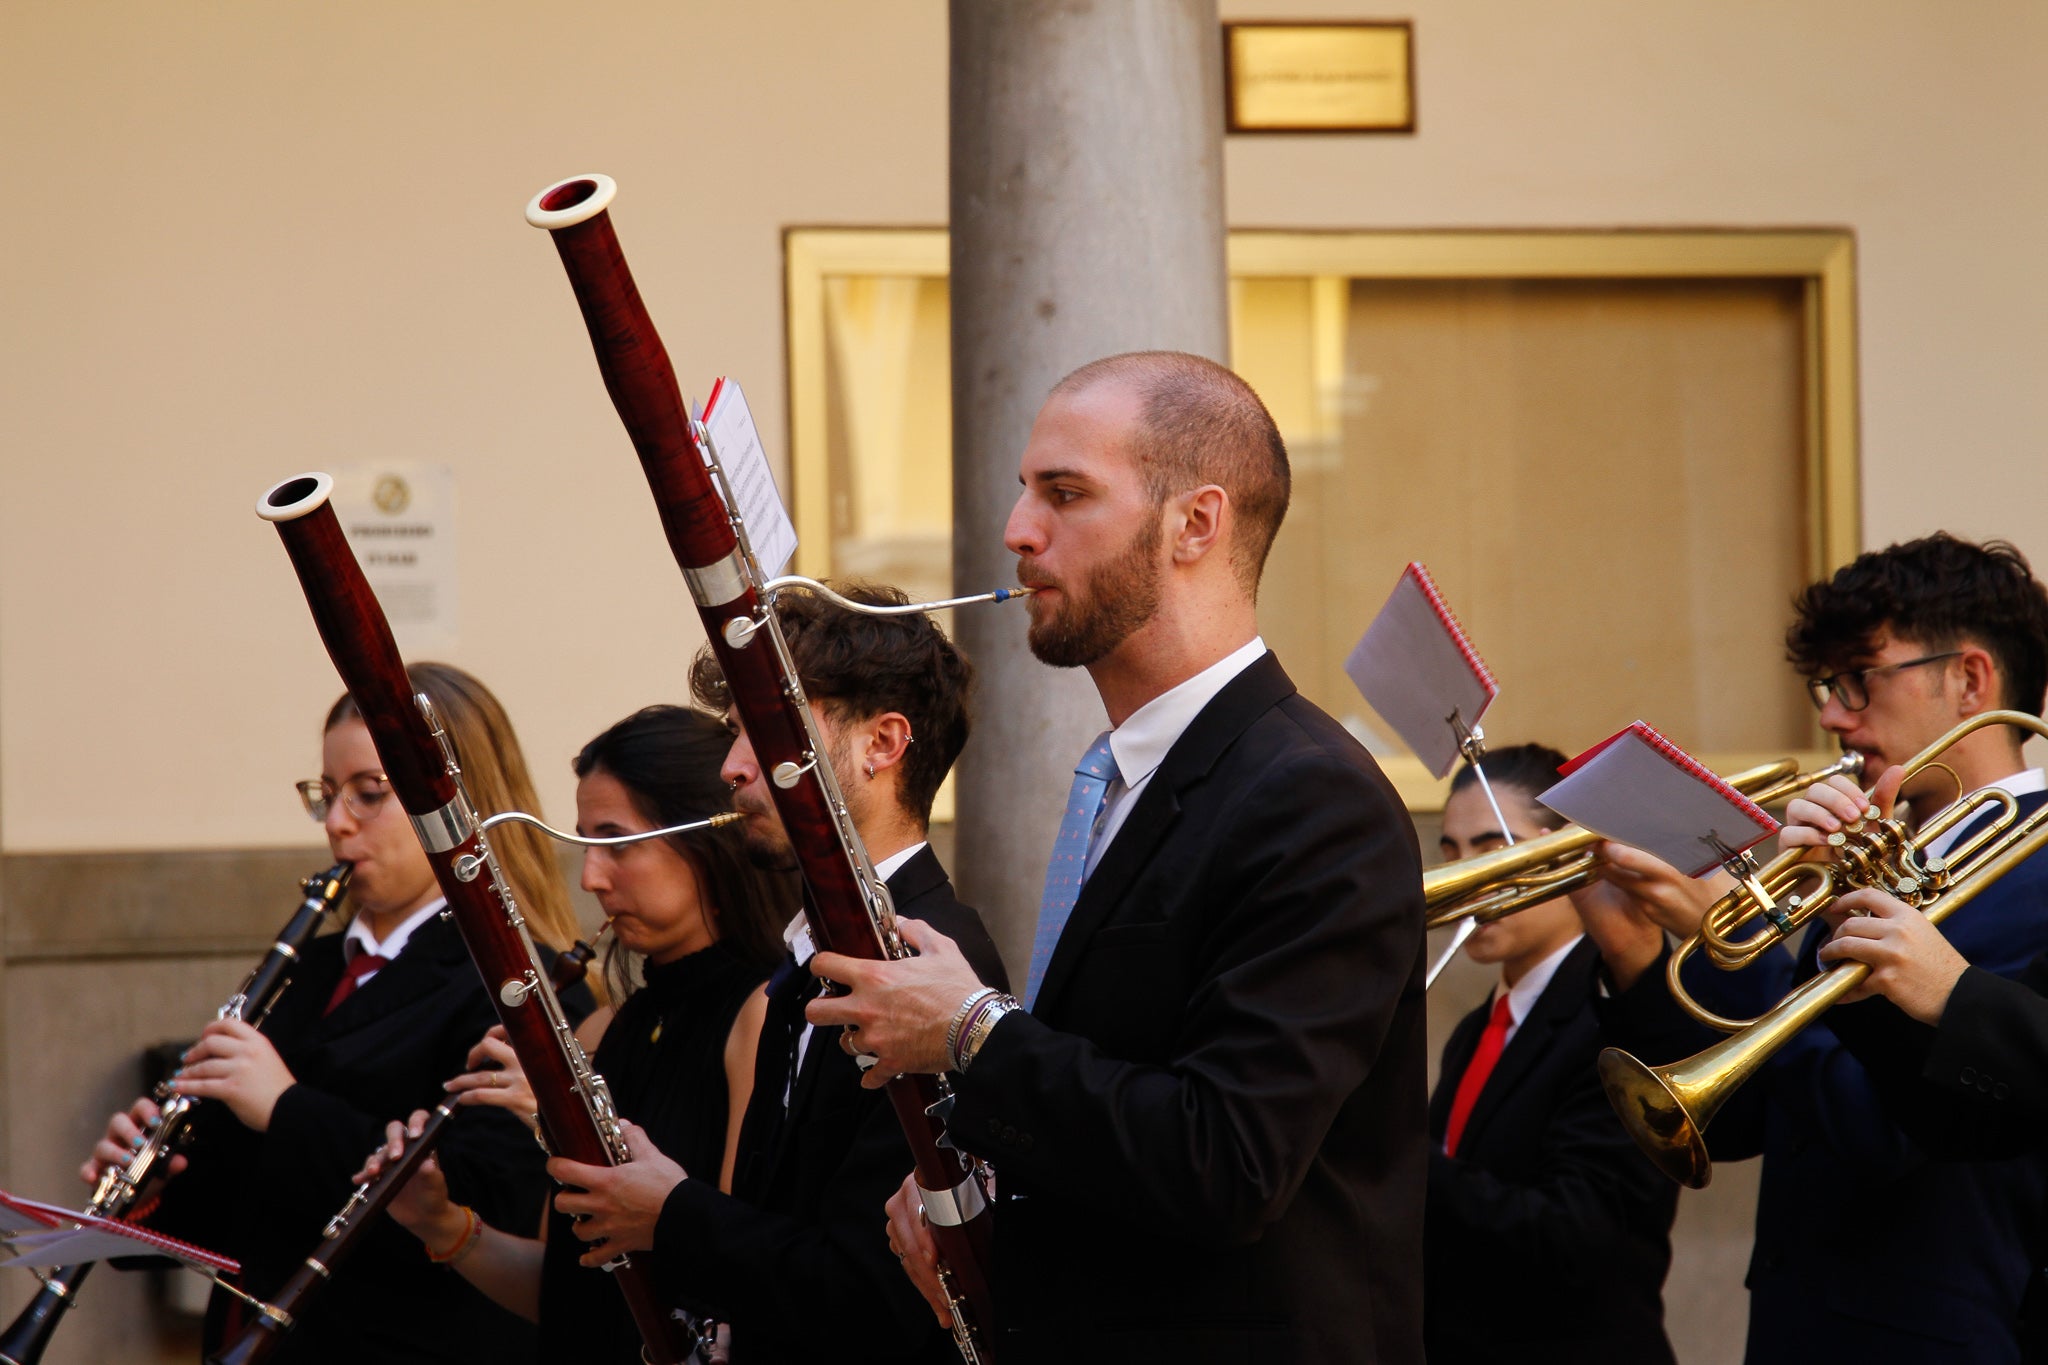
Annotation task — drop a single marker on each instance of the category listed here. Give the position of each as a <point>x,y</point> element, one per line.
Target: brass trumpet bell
<point>1658,1111</point>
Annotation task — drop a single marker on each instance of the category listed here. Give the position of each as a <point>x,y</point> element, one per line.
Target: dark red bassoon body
<point>576,1116</point>
<point>642,384</point>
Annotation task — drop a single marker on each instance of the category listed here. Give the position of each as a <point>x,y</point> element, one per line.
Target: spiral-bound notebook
<point>1637,787</point>
<point>1417,669</point>
<point>38,1234</point>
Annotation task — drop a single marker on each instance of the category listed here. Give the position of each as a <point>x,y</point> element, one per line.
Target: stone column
<point>1087,219</point>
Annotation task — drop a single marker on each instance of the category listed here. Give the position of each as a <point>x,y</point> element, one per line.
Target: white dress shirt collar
<point>1139,745</point>
<point>797,933</point>
<point>359,939</point>
<point>1523,995</point>
<point>893,864</point>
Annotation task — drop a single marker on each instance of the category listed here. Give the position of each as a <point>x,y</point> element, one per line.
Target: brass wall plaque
<point>1319,77</point>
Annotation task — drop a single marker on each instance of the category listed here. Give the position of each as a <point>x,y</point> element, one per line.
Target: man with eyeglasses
<point>1867,1247</point>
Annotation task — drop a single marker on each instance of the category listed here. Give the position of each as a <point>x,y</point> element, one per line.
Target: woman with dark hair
<point>376,1020</point>
<point>703,924</point>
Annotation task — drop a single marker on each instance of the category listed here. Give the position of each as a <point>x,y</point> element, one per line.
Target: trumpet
<point>1666,1109</point>
<point>1495,885</point>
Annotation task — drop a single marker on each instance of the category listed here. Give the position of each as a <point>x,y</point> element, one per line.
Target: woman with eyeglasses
<point>376,1020</point>
<point>703,924</point>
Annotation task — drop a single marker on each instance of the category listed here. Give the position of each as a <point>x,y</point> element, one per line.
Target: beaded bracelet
<point>986,1016</point>
<point>472,1233</point>
<point>967,1007</point>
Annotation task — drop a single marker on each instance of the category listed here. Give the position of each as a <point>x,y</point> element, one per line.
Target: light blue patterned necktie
<point>1069,865</point>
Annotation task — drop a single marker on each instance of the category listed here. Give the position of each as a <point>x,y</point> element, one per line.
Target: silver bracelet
<point>985,1019</point>
<point>960,1017</point>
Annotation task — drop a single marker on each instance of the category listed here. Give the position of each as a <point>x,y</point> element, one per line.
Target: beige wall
<point>245,239</point>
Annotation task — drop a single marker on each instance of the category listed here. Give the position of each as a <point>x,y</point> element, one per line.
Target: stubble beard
<point>1103,611</point>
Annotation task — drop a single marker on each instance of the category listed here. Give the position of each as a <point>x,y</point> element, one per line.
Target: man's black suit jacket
<point>384,1052</point>
<point>1976,1085</point>
<point>796,1258</point>
<point>1208,1132</point>
<point>1548,1233</point>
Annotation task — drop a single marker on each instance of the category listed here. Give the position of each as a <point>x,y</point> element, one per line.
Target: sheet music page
<point>23,1216</point>
<point>36,1236</point>
<point>1415,667</point>
<point>739,450</point>
<point>1639,788</point>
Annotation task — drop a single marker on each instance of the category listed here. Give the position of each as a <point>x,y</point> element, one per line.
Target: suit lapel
<point>919,877</point>
<point>431,945</point>
<point>1214,729</point>
<point>1560,1002</point>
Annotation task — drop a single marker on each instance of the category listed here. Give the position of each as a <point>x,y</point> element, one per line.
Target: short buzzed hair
<point>1202,424</point>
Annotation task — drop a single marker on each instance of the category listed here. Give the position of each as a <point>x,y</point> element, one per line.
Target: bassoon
<point>845,902</point>
<point>260,1339</point>
<point>577,1117</point>
<point>120,1186</point>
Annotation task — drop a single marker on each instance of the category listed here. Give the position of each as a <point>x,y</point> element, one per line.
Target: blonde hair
<point>494,771</point>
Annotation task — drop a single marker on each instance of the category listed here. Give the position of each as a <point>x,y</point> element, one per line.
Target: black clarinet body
<point>28,1336</point>
<point>260,1339</point>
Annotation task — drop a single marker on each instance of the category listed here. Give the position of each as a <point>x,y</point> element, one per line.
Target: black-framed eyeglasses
<point>364,795</point>
<point>1852,688</point>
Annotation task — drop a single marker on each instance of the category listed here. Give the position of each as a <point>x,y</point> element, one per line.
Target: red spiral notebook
<point>38,1234</point>
<point>1638,788</point>
<point>1418,669</point>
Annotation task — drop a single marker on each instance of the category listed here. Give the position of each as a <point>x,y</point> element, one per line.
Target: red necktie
<point>1476,1071</point>
<point>362,965</point>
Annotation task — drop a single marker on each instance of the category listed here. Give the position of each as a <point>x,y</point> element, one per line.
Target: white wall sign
<point>400,520</point>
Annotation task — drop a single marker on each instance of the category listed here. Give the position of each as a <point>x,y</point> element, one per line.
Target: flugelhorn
<point>1667,1108</point>
<point>1495,885</point>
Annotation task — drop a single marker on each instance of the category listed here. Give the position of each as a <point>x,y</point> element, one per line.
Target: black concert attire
<point>663,1057</point>
<point>1209,1130</point>
<point>1548,1233</point>
<point>1867,1247</point>
<point>1976,1084</point>
<point>797,1258</point>
<point>264,1198</point>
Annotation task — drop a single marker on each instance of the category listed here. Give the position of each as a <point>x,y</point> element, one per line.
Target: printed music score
<point>1637,787</point>
<point>1417,668</point>
<point>740,453</point>
<point>38,1234</point>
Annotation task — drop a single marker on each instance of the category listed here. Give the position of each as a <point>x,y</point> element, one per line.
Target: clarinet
<point>261,1338</point>
<point>577,1117</point>
<point>29,1335</point>
<point>846,904</point>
